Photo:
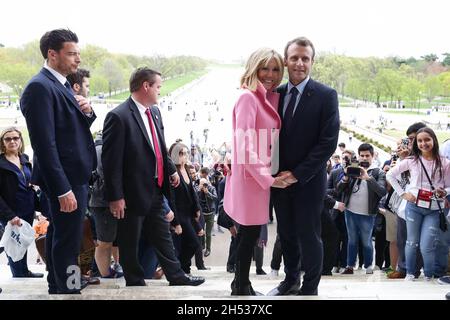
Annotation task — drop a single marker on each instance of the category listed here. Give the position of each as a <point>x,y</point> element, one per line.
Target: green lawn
<point>168,85</point>
<point>442,136</point>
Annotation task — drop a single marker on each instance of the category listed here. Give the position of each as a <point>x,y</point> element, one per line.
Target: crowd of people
<point>150,209</point>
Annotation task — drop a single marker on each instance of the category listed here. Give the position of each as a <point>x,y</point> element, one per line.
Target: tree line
<point>390,79</point>
<point>109,72</point>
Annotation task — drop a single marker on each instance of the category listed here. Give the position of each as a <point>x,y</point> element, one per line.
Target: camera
<point>394,157</point>
<point>354,170</point>
<point>405,143</point>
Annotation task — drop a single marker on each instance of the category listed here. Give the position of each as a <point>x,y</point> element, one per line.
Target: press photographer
<point>362,186</point>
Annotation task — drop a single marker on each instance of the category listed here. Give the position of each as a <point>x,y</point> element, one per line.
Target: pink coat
<point>247,190</point>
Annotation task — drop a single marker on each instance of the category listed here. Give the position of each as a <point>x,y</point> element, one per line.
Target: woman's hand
<point>280,182</point>
<point>440,192</point>
<point>409,197</point>
<point>15,221</point>
<point>178,229</point>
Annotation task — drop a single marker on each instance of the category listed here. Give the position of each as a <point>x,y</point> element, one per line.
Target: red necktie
<point>159,158</point>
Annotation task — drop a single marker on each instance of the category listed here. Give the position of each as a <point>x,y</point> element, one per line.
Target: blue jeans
<point>359,227</point>
<point>422,226</point>
<point>441,263</point>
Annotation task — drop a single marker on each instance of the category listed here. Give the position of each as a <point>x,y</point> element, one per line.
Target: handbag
<point>442,219</point>
<point>16,240</point>
<point>223,219</point>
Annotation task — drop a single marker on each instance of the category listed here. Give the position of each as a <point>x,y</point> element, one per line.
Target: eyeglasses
<point>184,153</point>
<point>9,139</point>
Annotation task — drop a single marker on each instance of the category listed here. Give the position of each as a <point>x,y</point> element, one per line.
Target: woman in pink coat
<point>256,125</point>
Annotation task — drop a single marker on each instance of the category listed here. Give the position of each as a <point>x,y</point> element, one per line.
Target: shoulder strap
<point>426,173</point>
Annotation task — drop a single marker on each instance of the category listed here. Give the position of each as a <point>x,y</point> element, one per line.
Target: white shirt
<point>300,87</point>
<point>57,75</point>
<point>144,117</point>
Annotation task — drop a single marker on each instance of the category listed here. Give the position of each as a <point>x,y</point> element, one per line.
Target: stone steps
<point>217,286</point>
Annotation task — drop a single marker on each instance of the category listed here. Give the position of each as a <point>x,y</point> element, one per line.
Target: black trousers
<point>339,222</point>
<point>330,239</point>
<point>299,227</point>
<point>199,262</point>
<point>381,244</point>
<point>189,243</point>
<point>63,243</point>
<point>231,262</point>
<point>258,256</point>
<point>246,241</point>
<point>277,255</point>
<point>155,230</point>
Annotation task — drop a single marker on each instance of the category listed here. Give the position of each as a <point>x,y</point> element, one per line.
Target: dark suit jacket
<point>333,180</point>
<point>9,185</point>
<point>129,160</point>
<point>313,135</point>
<point>63,147</point>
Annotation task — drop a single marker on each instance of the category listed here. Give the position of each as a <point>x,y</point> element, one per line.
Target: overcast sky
<point>230,29</point>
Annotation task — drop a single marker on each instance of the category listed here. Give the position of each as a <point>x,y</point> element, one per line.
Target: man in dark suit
<point>64,154</point>
<point>308,138</point>
<point>137,173</point>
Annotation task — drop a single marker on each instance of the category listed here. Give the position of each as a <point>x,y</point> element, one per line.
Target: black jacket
<point>376,185</point>
<point>129,161</point>
<point>9,184</point>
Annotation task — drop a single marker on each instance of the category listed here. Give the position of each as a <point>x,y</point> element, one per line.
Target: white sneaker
<point>335,270</point>
<point>274,273</point>
<point>376,268</point>
<point>369,270</point>
<point>409,277</point>
<point>428,279</point>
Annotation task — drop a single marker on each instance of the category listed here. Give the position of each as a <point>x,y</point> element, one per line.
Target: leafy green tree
<point>444,79</point>
<point>112,72</point>
<point>432,87</point>
<point>16,75</point>
<point>430,57</point>
<point>411,89</point>
<point>92,57</point>
<point>446,61</point>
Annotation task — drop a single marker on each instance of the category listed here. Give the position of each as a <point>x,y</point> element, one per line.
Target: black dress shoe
<point>230,268</point>
<point>447,296</point>
<point>285,289</point>
<point>203,268</point>
<point>32,275</point>
<point>304,292</point>
<point>140,283</point>
<point>187,281</point>
<point>245,291</point>
<point>260,272</point>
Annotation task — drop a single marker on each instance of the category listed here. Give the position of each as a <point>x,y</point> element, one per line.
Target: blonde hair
<point>2,143</point>
<point>258,59</point>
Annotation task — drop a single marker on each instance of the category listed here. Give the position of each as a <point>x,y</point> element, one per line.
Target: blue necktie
<point>289,113</point>
<point>67,85</point>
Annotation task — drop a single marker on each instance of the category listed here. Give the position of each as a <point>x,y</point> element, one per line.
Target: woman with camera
<point>17,198</point>
<point>247,189</point>
<point>429,185</point>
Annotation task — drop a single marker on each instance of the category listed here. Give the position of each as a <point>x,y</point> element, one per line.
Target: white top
<point>359,199</point>
<point>142,110</point>
<point>418,178</point>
